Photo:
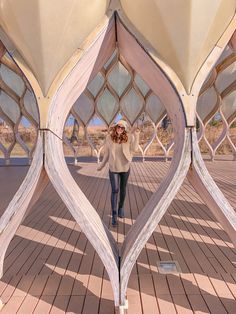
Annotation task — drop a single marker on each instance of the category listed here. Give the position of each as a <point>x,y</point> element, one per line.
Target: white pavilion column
<point>28,193</point>
<point>181,107</point>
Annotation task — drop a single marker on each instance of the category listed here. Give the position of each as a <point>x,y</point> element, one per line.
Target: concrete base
<point>124,307</point>
<point>1,304</point>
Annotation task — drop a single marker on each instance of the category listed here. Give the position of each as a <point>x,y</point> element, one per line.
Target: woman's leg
<point>123,183</point>
<point>114,180</point>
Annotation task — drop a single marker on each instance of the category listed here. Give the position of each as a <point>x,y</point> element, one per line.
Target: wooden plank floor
<point>50,267</point>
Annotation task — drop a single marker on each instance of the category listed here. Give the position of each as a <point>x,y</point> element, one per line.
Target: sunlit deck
<point>50,267</point>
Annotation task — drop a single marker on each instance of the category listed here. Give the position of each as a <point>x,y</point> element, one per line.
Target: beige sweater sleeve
<point>134,141</point>
<point>106,154</point>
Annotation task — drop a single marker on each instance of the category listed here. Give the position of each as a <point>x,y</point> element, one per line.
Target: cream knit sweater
<point>119,156</point>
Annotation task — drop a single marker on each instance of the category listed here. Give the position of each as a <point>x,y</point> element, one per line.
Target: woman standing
<point>118,150</point>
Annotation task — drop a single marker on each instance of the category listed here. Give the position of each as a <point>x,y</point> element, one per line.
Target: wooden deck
<point>50,267</point>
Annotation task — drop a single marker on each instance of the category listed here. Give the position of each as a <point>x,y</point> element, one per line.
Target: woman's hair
<point>122,138</point>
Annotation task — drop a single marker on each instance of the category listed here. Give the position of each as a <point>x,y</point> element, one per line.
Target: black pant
<point>118,182</point>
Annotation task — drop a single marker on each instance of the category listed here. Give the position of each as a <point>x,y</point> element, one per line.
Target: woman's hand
<point>99,168</point>
<point>135,129</point>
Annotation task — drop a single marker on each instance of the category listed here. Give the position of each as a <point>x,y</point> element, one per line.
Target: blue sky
<point>94,121</point>
<point>70,121</point>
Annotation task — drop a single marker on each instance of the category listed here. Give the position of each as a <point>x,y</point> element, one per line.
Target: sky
<point>70,121</point>
<point>94,121</point>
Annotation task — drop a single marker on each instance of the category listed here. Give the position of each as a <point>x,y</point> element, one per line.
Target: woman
<point>118,151</point>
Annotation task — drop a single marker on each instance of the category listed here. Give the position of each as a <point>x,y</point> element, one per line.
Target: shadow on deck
<point>50,267</point>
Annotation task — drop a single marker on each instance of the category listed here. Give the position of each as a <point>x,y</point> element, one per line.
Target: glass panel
<point>206,103</point>
<point>132,105</point>
<point>119,78</point>
<point>96,84</point>
<point>31,105</point>
<point>12,80</point>
<point>9,107</point>
<point>143,87</point>
<point>226,77</point>
<point>227,52</point>
<point>229,105</point>
<point>110,60</point>
<point>209,77</point>
<point>84,107</point>
<point>154,108</point>
<point>107,106</point>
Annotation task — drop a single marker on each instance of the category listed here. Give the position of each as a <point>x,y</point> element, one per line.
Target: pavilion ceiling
<point>47,33</point>
<point>182,32</point>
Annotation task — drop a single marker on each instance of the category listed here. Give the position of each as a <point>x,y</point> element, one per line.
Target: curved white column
<point>26,196</point>
<point>81,209</point>
<point>203,183</point>
<point>154,210</point>
<point>156,207</point>
<point>55,165</point>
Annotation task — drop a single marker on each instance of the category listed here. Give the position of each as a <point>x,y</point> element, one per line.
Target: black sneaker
<point>114,219</point>
<point>121,212</point>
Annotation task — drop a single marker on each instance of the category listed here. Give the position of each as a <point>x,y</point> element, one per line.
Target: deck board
<point>50,267</point>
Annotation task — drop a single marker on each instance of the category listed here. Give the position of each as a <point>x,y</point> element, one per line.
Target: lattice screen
<point>19,117</point>
<point>117,91</point>
<point>217,105</point>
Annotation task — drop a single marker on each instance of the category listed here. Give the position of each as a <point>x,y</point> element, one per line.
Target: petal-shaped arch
<point>77,203</point>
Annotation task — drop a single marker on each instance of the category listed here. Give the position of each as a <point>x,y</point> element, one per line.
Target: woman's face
<point>119,129</point>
